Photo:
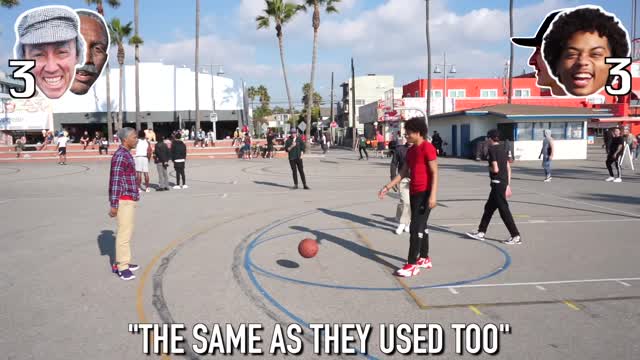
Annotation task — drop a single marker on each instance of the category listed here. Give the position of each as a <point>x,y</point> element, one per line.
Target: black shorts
<point>62,151</point>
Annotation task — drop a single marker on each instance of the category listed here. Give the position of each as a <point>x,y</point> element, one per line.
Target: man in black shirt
<point>614,152</point>
<point>500,174</point>
<point>295,147</point>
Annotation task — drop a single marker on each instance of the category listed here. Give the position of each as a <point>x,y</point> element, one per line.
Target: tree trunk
<point>109,116</point>
<point>197,64</point>
<point>137,64</point>
<point>314,59</point>
<point>428,63</point>
<point>511,51</point>
<point>284,73</point>
<point>120,122</point>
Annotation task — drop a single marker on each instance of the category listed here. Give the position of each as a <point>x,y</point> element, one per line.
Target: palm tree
<point>511,51</point>
<point>329,7</point>
<point>197,65</point>
<point>120,33</point>
<point>137,41</point>
<point>428,62</point>
<point>281,13</point>
<point>9,3</point>
<point>100,9</point>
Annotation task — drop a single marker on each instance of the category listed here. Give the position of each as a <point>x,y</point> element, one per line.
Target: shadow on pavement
<point>267,183</point>
<point>107,245</point>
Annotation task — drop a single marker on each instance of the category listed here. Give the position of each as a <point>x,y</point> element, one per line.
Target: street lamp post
<point>444,73</point>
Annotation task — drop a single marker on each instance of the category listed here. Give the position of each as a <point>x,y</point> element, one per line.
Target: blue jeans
<point>546,165</point>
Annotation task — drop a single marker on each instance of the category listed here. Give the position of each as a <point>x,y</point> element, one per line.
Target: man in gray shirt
<point>403,213</point>
<point>546,153</point>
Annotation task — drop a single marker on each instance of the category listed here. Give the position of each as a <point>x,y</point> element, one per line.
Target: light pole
<point>444,72</point>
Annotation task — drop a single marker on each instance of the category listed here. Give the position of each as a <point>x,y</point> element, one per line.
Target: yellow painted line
<point>172,245</point>
<point>571,305</point>
<point>400,281</point>
<point>475,310</point>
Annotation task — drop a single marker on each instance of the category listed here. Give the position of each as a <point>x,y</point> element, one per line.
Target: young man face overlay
<point>55,66</point>
<point>95,36</point>
<point>581,67</point>
<point>543,75</point>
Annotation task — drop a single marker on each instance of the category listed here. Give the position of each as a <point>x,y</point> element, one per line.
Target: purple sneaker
<point>126,275</point>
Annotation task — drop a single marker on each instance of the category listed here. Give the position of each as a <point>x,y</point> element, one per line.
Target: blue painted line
<point>263,291</point>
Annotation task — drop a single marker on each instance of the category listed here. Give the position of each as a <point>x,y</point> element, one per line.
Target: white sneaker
<point>400,229</point>
<point>617,180</point>
<point>407,228</point>
<point>478,235</point>
<point>147,190</point>
<point>514,241</point>
<point>548,179</point>
<point>185,187</point>
<point>177,187</point>
<point>610,179</point>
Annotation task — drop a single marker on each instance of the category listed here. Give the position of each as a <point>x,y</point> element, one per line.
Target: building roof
<point>529,111</point>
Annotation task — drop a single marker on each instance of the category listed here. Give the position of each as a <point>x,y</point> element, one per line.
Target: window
<point>457,93</point>
<point>575,130</point>
<point>359,102</point>
<point>558,130</point>
<point>538,130</point>
<point>524,131</point>
<point>522,92</point>
<point>436,93</point>
<point>489,93</point>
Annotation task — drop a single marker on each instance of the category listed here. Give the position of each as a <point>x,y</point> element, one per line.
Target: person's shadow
<point>107,245</point>
<point>359,219</point>
<point>365,252</point>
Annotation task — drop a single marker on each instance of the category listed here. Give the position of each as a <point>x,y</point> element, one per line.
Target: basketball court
<point>225,251</point>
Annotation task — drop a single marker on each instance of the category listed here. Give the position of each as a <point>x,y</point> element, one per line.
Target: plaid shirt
<point>122,180</point>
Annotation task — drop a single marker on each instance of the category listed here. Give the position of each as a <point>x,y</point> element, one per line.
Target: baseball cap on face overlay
<point>538,38</point>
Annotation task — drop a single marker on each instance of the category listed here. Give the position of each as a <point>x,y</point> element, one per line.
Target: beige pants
<point>126,218</point>
<point>403,213</point>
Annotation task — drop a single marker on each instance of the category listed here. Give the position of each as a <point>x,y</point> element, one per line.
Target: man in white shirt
<point>61,146</point>
<point>143,154</point>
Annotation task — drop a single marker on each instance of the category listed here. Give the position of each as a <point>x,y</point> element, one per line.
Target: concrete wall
<point>564,150</point>
<point>479,125</point>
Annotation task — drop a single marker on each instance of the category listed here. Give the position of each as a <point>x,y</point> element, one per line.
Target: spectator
<point>84,140</point>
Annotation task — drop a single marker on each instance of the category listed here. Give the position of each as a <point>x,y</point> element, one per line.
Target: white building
<point>521,124</point>
<point>369,88</point>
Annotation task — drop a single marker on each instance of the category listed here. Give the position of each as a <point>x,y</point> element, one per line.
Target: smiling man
<point>50,36</point>
<point>96,36</point>
<point>577,45</point>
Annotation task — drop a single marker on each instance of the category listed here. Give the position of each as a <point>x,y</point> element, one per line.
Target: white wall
<point>563,150</point>
<point>479,126</point>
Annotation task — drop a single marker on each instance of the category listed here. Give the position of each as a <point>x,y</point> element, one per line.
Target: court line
<point>475,310</point>
<point>623,283</point>
<point>546,222</point>
<point>540,283</point>
<point>571,305</point>
<point>592,205</point>
<point>541,288</point>
<point>534,302</point>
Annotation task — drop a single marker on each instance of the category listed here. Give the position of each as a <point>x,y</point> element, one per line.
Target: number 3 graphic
<point>623,75</point>
<point>22,72</point>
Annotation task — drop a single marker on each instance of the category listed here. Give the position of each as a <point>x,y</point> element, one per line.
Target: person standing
<point>403,212</point>
<point>161,157</point>
<point>61,146</point>
<point>123,197</point>
<point>296,147</point>
<point>246,149</point>
<point>546,153</point>
<point>179,156</point>
<point>615,149</point>
<point>637,143</point>
<point>500,175</point>
<point>422,166</point>
<point>362,145</point>
<point>436,140</point>
<point>143,155</point>
<point>270,139</point>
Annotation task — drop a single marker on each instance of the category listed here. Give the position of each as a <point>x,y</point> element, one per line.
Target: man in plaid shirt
<point>123,195</point>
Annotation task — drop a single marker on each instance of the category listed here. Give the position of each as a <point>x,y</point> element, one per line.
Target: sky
<point>385,37</point>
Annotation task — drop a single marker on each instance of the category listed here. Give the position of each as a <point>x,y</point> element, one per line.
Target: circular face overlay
<point>576,45</point>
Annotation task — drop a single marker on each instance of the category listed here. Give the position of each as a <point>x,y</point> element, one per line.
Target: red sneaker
<point>408,270</point>
<point>424,263</point>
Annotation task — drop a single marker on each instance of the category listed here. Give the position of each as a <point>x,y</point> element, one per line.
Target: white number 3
<point>622,74</point>
<point>22,72</point>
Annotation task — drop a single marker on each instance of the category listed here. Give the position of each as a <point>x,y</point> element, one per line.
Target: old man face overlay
<point>97,43</point>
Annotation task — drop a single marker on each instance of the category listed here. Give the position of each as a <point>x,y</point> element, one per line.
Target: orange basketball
<point>308,248</point>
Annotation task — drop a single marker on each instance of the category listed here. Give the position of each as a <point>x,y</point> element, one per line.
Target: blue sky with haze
<point>384,37</point>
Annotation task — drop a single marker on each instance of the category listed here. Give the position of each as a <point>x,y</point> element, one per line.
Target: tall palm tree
<point>428,61</point>
<point>9,3</point>
<point>329,7</point>
<point>197,65</point>
<point>136,24</point>
<point>281,13</point>
<point>119,34</point>
<point>511,51</point>
<point>100,9</point>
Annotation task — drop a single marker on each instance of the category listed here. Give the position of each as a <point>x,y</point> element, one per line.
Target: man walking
<point>295,147</point>
<point>179,156</point>
<point>422,165</point>
<point>62,148</point>
<point>403,212</point>
<point>161,157</point>
<point>546,153</point>
<point>143,155</point>
<point>362,145</point>
<point>500,174</point>
<point>123,195</point>
<point>614,153</point>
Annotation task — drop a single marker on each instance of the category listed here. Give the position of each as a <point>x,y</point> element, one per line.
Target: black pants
<point>179,167</point>
<point>297,163</point>
<point>419,241</point>
<point>615,161</point>
<point>498,200</point>
<point>365,152</point>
